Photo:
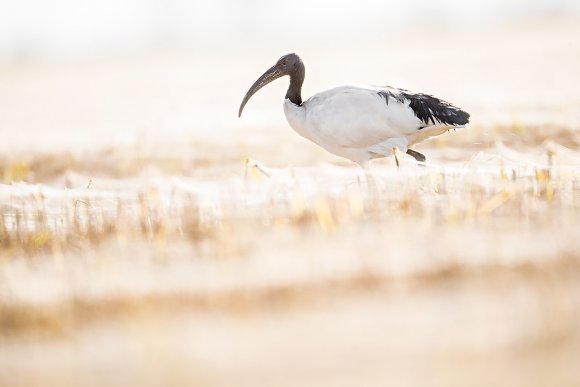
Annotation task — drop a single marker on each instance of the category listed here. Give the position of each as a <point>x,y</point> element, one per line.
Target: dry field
<point>150,238</point>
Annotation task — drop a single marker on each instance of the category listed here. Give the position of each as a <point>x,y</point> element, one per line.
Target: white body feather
<point>357,123</point>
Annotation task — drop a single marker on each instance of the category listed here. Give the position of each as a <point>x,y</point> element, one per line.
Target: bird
<point>360,122</point>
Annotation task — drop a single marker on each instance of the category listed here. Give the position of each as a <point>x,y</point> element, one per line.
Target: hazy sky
<point>30,28</point>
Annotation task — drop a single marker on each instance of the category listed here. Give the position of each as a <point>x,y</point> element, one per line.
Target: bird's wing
<point>430,110</point>
<point>363,116</point>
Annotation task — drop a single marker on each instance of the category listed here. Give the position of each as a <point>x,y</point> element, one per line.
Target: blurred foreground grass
<point>146,270</point>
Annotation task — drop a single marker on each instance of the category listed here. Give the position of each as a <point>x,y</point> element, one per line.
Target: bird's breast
<point>296,116</point>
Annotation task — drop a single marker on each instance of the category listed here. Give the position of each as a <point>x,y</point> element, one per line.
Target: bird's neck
<point>294,93</point>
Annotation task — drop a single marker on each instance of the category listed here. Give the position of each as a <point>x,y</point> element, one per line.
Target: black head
<point>289,64</point>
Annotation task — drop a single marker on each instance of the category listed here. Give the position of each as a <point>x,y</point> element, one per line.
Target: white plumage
<point>355,122</point>
<point>361,122</point>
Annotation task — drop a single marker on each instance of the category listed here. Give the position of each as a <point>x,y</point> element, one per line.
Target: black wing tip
<point>428,108</point>
<point>461,117</point>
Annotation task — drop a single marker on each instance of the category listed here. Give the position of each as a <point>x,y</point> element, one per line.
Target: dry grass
<point>158,243</point>
<point>173,210</point>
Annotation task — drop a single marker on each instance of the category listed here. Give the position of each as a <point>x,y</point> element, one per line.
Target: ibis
<point>360,122</point>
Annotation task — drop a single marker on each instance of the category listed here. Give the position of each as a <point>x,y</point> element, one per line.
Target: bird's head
<point>289,64</point>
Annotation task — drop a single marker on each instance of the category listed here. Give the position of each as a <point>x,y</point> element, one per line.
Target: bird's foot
<point>420,157</point>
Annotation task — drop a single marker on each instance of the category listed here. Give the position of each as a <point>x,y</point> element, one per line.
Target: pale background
<point>150,237</point>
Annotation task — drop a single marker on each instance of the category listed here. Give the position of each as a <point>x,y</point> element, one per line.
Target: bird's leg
<point>395,151</point>
<point>420,157</point>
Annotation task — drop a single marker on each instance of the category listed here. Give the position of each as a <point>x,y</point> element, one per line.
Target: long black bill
<point>270,75</point>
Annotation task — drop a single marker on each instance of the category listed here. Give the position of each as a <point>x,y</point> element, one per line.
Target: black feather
<point>427,108</point>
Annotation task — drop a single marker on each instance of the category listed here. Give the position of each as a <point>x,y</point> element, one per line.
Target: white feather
<point>357,123</point>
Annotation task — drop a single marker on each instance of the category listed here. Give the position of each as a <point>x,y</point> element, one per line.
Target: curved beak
<point>270,75</point>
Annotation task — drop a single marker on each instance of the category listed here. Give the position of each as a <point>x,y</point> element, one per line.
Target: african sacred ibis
<point>358,122</point>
